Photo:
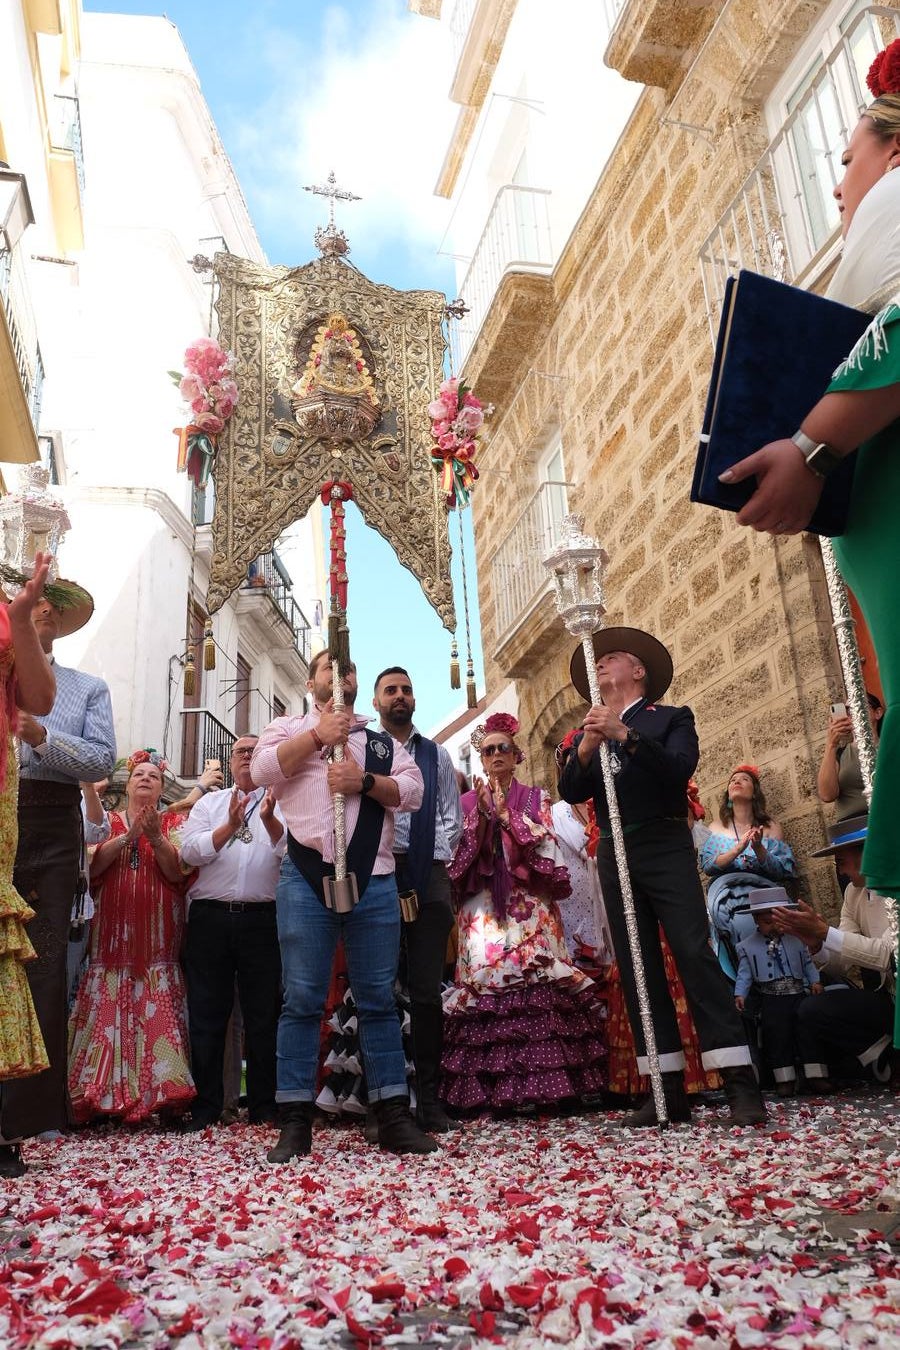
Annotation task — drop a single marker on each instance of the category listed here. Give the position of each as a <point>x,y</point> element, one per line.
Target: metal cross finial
<point>333,193</point>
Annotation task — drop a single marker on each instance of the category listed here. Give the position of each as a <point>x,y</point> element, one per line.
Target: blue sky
<point>296,89</point>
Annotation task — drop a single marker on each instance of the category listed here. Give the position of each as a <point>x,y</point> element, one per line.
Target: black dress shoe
<point>12,1164</point>
<point>198,1123</point>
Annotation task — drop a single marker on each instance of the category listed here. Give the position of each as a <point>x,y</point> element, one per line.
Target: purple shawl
<point>497,862</point>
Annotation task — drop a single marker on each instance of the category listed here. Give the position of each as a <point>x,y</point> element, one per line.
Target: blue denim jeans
<point>308,934</point>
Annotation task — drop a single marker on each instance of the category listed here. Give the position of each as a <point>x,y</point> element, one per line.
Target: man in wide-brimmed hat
<point>654,752</point>
<point>75,742</point>
<point>849,1021</point>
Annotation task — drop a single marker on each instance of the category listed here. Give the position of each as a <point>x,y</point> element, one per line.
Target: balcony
<point>519,577</point>
<point>784,220</point>
<point>204,737</point>
<point>67,172</point>
<point>460,23</point>
<point>268,577</point>
<point>516,238</point>
<point>21,367</point>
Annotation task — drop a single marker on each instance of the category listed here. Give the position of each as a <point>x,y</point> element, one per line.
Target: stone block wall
<point>618,357</point>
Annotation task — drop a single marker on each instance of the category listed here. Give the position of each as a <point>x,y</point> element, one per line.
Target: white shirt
<point>238,871</point>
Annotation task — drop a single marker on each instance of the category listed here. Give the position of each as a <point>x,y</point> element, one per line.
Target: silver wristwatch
<point>820,457</point>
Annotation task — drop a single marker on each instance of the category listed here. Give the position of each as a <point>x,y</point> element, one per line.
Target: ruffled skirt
<point>128,1043</point>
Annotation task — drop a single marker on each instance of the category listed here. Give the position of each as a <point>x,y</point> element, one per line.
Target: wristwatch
<point>367,784</point>
<point>819,456</point>
<point>632,737</point>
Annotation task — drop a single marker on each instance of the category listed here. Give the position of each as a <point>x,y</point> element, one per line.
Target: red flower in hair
<point>695,806</point>
<point>505,723</point>
<point>746,768</point>
<point>884,72</point>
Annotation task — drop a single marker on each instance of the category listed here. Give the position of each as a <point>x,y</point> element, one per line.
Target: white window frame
<point>806,71</point>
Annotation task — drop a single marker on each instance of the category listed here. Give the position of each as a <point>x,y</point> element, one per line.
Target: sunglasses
<point>504,748</point>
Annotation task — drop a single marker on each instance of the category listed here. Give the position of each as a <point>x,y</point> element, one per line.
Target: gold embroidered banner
<point>335,376</point>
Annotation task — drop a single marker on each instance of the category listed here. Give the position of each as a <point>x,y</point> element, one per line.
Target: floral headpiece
<point>503,724</point>
<point>695,806</point>
<point>565,745</point>
<point>148,756</point>
<point>745,768</point>
<point>884,72</point>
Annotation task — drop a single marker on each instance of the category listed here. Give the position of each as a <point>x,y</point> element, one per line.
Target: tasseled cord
<point>471,692</point>
<point>209,647</point>
<point>454,666</point>
<point>190,674</point>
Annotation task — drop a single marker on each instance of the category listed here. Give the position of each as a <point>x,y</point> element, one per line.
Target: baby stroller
<point>728,903</point>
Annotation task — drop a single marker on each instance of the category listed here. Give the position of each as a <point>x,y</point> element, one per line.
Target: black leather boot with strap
<point>743,1095</point>
<point>397,1131</point>
<point>678,1108</point>
<point>295,1140</point>
<point>427,1042</point>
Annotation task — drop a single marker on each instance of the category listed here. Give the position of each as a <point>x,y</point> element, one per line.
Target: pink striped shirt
<point>305,800</point>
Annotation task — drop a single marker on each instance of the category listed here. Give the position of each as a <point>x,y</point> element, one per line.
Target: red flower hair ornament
<point>745,768</point>
<point>884,72</point>
<point>502,724</point>
<point>148,756</point>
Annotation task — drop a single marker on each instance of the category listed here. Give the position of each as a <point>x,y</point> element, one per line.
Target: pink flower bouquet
<point>456,418</point>
<point>208,387</point>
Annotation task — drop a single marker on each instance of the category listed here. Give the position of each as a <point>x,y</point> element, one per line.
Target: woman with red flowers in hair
<point>524,1027</point>
<point>128,1041</point>
<point>861,408</point>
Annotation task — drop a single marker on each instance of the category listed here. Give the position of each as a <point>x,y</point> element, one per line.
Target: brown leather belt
<point>45,792</point>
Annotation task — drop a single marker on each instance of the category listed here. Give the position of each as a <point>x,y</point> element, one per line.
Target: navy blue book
<point>777,349</point>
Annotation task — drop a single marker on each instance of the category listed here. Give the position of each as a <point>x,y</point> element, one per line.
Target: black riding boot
<point>743,1094</point>
<point>678,1108</point>
<point>295,1140</point>
<point>397,1131</point>
<point>427,1043</point>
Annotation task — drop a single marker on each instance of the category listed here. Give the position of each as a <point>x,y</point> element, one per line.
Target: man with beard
<point>376,778</point>
<point>424,843</point>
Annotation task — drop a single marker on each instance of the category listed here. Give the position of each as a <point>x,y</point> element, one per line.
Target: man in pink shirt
<point>377,777</point>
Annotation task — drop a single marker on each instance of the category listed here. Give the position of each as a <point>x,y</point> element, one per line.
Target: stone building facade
<point>613,348</point>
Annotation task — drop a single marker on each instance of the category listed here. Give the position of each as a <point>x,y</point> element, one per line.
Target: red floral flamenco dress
<point>128,1036</point>
<point>523,1026</point>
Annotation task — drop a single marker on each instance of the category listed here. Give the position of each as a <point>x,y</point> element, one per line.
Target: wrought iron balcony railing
<point>785,211</point>
<point>460,23</point>
<point>269,575</point>
<point>15,296</point>
<point>519,576</point>
<point>516,238</point>
<point>612,10</point>
<point>204,737</point>
<point>65,130</point>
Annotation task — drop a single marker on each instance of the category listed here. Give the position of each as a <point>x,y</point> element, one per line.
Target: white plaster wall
<point>158,185</point>
<point>554,100</point>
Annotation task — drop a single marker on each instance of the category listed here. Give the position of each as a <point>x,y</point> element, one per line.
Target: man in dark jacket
<point>654,752</point>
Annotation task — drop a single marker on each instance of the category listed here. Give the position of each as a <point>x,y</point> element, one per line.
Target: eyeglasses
<point>245,750</point>
<point>504,748</point>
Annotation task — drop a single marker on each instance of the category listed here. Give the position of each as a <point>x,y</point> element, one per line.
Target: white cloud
<point>371,102</point>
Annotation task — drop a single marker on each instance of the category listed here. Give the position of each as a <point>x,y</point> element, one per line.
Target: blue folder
<point>777,349</point>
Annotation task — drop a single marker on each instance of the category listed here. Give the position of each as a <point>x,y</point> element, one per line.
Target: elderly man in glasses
<point>237,841</point>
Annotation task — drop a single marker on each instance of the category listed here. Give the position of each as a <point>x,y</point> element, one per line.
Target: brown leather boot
<point>678,1107</point>
<point>397,1131</point>
<point>743,1094</point>
<point>295,1140</point>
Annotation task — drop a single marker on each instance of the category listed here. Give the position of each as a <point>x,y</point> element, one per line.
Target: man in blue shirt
<point>75,742</point>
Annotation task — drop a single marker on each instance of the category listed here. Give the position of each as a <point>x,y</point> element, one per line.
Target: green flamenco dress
<point>868,555</point>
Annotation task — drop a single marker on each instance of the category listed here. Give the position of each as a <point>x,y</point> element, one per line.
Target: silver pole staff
<point>855,688</point>
<point>341,892</point>
<point>577,567</point>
